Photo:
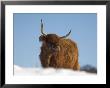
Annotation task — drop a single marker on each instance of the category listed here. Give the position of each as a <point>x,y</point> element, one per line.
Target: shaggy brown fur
<point>58,52</point>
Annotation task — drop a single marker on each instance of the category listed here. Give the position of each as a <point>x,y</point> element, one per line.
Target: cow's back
<point>69,54</point>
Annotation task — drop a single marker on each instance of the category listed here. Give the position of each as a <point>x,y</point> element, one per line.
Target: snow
<point>47,71</point>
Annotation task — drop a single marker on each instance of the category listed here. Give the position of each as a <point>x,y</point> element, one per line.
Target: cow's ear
<point>42,38</point>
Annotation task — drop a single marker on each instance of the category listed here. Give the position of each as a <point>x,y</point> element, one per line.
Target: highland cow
<point>58,52</point>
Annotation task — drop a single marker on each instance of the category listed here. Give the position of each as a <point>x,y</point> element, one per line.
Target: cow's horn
<point>42,28</point>
<point>66,35</point>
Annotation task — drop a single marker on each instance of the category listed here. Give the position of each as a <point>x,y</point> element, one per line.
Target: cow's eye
<point>58,48</point>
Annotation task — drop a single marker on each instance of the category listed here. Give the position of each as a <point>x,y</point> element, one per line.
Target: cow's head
<point>51,40</point>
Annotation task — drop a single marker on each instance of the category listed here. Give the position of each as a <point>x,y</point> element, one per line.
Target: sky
<point>26,29</point>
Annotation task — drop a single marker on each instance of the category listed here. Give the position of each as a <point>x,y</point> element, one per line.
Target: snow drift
<point>47,71</point>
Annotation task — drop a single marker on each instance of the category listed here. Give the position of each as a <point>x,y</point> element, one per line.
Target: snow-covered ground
<point>47,71</point>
